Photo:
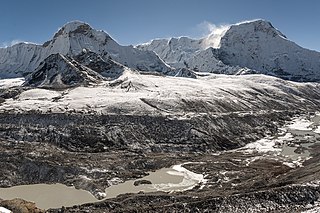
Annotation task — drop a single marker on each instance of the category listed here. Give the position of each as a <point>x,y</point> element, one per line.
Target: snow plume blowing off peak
<point>214,33</point>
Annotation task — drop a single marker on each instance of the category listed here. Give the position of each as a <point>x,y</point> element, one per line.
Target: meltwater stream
<point>46,196</point>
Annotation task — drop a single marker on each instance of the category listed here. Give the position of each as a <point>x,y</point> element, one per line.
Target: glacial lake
<point>305,133</point>
<point>47,196</point>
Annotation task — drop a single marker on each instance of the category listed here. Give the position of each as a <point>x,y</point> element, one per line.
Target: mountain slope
<point>21,59</point>
<point>174,51</point>
<point>189,53</point>
<point>208,61</point>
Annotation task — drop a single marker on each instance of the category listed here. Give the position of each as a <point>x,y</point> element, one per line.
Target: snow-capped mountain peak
<point>247,47</point>
<point>258,26</point>
<point>21,59</point>
<point>260,46</point>
<point>74,36</point>
<point>73,26</point>
<point>78,28</point>
<point>255,46</point>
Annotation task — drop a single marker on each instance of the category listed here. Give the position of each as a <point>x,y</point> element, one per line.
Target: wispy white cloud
<point>208,28</point>
<point>205,27</point>
<point>212,33</point>
<point>11,43</point>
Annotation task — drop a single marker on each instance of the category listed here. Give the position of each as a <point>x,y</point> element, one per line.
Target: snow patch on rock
<point>190,179</point>
<point>301,124</point>
<point>11,82</point>
<point>4,210</point>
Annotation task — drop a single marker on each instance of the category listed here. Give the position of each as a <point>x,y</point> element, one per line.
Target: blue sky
<point>137,21</point>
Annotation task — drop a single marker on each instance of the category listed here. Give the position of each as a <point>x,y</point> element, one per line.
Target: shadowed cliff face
<point>60,72</point>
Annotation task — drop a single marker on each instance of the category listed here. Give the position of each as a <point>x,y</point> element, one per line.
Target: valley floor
<point>255,136</point>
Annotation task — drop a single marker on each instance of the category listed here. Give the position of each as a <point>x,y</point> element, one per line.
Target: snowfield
<point>138,93</point>
<point>11,82</point>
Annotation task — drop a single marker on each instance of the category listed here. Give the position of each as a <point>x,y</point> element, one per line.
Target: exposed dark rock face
<point>11,92</point>
<point>20,206</point>
<point>142,182</point>
<point>59,72</point>
<point>184,72</point>
<point>105,67</point>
